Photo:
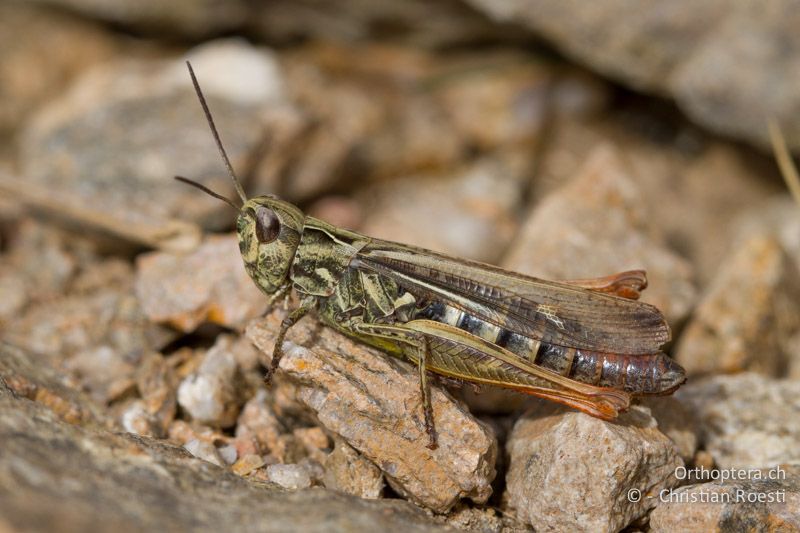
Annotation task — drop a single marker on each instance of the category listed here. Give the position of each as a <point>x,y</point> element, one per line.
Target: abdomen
<point>647,374</point>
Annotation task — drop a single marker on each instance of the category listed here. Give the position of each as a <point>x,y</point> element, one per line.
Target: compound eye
<point>267,225</point>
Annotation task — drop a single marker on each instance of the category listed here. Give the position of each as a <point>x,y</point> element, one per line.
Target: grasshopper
<point>584,343</point>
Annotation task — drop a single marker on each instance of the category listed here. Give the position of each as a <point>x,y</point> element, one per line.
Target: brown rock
<point>768,499</point>
<point>184,16</point>
<point>54,475</point>
<point>595,226</point>
<point>748,314</point>
<point>315,442</point>
<point>500,100</point>
<point>258,428</point>
<point>779,216</point>
<point>96,328</point>
<point>104,372</point>
<point>693,186</point>
<point>35,60</point>
<point>372,401</point>
<point>348,471</point>
<point>115,137</point>
<point>12,294</point>
<point>465,518</point>
<point>746,420</point>
<point>209,284</point>
<point>361,120</point>
<point>469,213</point>
<point>43,262</point>
<point>676,419</point>
<point>157,384</point>
<point>416,22</point>
<point>571,471</point>
<point>247,464</point>
<point>22,376</point>
<point>725,62</point>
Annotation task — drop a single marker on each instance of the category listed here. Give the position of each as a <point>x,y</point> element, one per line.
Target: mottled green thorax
<point>269,233</point>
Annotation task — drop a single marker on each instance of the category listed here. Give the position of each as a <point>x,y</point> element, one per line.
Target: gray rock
<point>728,64</point>
<point>372,401</point>
<point>597,225</point>
<point>767,499</point>
<point>58,475</point>
<point>209,284</point>
<point>348,471</point>
<point>748,314</point>
<point>114,139</point>
<point>570,471</point>
<point>747,420</point>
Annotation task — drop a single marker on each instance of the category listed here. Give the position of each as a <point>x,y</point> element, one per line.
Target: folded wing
<point>553,312</point>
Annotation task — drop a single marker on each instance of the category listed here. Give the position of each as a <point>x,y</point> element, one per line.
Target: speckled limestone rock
<point>60,471</point>
<point>747,420</point>
<point>372,401</point>
<point>748,315</point>
<point>569,471</point>
<point>208,284</point>
<point>767,499</point>
<point>597,225</point>
<point>348,471</point>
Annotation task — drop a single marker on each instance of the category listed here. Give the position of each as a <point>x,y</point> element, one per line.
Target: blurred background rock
<point>562,139</point>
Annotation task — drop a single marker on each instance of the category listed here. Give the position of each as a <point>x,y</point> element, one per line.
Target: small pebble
<point>290,477</point>
<point>228,453</point>
<point>247,464</point>
<point>203,450</point>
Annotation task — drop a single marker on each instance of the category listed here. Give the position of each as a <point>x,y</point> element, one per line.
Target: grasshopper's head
<point>269,233</point>
<point>269,229</point>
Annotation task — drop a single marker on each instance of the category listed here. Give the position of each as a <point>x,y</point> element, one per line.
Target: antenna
<point>207,191</point>
<point>236,183</point>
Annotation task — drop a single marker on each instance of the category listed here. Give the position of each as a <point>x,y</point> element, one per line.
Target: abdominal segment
<point>647,374</point>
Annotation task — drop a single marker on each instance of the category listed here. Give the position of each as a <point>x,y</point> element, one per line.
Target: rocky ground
<point>133,344</point>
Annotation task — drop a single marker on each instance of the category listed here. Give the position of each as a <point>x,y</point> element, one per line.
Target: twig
<point>784,159</point>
